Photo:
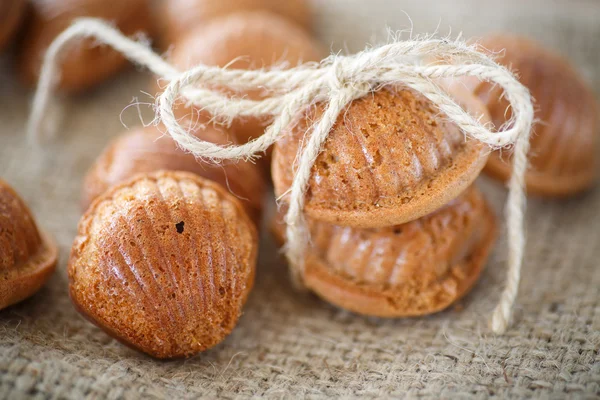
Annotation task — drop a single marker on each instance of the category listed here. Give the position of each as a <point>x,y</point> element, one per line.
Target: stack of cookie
<point>397,227</point>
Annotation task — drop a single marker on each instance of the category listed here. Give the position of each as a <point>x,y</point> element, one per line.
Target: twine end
<point>43,122</point>
<point>499,322</point>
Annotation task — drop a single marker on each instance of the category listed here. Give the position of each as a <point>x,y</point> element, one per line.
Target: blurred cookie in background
<point>179,17</point>
<point>87,63</point>
<point>564,139</point>
<point>12,13</point>
<point>248,40</point>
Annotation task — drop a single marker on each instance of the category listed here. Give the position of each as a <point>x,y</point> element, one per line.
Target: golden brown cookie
<point>164,262</point>
<point>144,150</point>
<point>391,157</point>
<point>27,256</point>
<point>417,268</point>
<point>250,40</point>
<point>178,17</point>
<point>11,16</point>
<point>85,64</point>
<point>564,141</point>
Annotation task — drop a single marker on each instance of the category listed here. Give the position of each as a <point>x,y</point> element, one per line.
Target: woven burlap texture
<point>294,345</point>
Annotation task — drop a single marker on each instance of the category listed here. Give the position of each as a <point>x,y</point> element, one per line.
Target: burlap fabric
<point>293,345</point>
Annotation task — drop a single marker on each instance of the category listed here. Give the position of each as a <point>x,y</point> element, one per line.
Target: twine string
<point>335,82</point>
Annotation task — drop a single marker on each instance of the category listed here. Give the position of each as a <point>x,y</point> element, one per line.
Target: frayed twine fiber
<point>336,81</point>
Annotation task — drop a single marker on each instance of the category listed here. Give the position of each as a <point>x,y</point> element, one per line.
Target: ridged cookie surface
<point>411,269</point>
<point>390,158</point>
<point>164,263</point>
<point>564,140</point>
<point>27,257</point>
<point>148,149</point>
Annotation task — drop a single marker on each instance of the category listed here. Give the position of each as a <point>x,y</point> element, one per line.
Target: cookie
<point>412,269</point>
<point>564,140</point>
<point>85,64</point>
<point>27,255</point>
<point>144,150</point>
<point>177,17</point>
<point>390,158</point>
<point>250,40</point>
<point>11,17</point>
<point>164,263</point>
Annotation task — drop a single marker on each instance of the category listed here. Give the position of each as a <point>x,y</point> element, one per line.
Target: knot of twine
<point>336,81</point>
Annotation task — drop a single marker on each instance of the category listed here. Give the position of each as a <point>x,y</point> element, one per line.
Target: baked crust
<point>148,149</point>
<point>564,139</point>
<point>177,17</point>
<point>164,263</point>
<point>412,269</point>
<point>11,17</point>
<point>85,64</point>
<point>390,158</point>
<point>27,256</point>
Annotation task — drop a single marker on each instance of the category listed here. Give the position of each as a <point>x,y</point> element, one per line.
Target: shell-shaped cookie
<point>177,17</point>
<point>84,64</point>
<point>164,263</point>
<point>390,158</point>
<point>27,257</point>
<point>11,16</point>
<point>565,136</point>
<point>411,269</point>
<point>249,40</point>
<point>144,150</point>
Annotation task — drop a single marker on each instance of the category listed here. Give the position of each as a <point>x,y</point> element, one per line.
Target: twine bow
<point>336,81</point>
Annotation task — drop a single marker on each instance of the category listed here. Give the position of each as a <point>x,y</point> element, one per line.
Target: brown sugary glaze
<point>164,262</point>
<point>178,17</point>
<point>391,157</point>
<point>11,16</point>
<point>27,257</point>
<point>144,150</point>
<point>254,40</point>
<point>85,64</point>
<point>417,268</point>
<point>564,141</point>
